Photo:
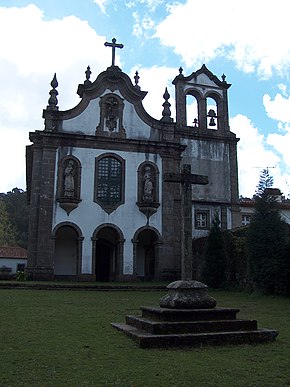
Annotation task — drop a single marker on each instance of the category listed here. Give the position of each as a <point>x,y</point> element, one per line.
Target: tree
<point>265,181</point>
<point>215,257</point>
<point>266,243</point>
<point>7,237</point>
<point>17,209</point>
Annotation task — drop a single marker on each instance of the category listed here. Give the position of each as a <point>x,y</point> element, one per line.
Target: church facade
<point>100,208</point>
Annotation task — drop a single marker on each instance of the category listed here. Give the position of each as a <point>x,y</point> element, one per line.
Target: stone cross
<point>186,179</point>
<point>114,45</point>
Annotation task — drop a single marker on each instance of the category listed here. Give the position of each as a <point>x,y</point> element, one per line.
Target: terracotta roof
<point>12,252</point>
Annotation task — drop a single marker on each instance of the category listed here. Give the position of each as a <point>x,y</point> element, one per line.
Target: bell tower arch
<point>211,98</point>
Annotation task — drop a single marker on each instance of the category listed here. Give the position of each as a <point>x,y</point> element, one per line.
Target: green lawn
<point>64,338</point>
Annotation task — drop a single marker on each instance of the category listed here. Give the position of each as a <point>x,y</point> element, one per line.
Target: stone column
<point>186,228</point>
<point>41,245</point>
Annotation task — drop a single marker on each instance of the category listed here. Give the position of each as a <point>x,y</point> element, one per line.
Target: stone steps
<point>167,314</point>
<point>164,327</point>
<point>147,340</point>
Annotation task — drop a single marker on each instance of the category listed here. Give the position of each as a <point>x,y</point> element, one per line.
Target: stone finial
<point>136,78</point>
<point>195,123</point>
<point>224,78</point>
<point>180,71</point>
<point>166,114</point>
<point>52,101</point>
<point>88,74</point>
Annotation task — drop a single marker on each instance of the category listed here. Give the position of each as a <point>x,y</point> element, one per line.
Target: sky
<point>247,40</point>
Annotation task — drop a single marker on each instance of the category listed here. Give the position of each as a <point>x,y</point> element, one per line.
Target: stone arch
<point>213,109</point>
<point>193,104</point>
<point>67,258</point>
<point>107,252</point>
<point>147,243</point>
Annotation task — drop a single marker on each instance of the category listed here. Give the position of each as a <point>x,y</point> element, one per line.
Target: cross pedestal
<point>186,293</point>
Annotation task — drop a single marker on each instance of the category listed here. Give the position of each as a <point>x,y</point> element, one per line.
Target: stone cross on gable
<point>186,179</point>
<point>114,45</point>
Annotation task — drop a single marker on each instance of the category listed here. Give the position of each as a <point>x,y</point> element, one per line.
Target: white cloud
<point>142,25</point>
<point>248,32</point>
<point>281,144</point>
<point>102,4</point>
<point>278,108</point>
<point>33,49</point>
<point>151,5</point>
<point>252,155</point>
<point>12,158</point>
<point>154,100</point>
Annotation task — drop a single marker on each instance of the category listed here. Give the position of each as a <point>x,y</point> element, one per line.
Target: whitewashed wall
<point>89,215</point>
<point>12,263</point>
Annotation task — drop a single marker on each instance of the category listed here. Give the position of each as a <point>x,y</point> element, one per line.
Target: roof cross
<point>114,45</point>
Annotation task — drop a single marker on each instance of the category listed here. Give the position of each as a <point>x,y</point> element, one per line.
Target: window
<point>246,219</point>
<point>20,266</point>
<point>201,219</point>
<point>191,111</point>
<point>109,182</point>
<point>211,113</point>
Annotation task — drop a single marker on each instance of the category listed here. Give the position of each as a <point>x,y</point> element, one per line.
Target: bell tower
<point>202,124</point>
<point>210,100</point>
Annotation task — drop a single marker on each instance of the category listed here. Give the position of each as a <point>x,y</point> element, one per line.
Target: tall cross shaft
<point>114,45</point>
<point>186,179</point>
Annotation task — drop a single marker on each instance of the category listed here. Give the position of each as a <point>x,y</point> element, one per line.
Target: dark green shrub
<point>214,272</point>
<point>267,247</point>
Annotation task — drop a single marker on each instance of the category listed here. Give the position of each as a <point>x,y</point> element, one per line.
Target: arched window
<point>191,111</point>
<point>109,181</point>
<point>212,117</point>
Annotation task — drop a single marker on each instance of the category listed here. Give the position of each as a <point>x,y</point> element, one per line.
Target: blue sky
<point>240,39</point>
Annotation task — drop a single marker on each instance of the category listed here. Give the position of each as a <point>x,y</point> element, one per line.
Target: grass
<point>64,338</point>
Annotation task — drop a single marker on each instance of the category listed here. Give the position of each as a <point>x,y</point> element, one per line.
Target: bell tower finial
<point>166,114</point>
<point>52,101</point>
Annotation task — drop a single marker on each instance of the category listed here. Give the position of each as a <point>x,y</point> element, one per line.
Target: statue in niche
<point>148,185</point>
<point>111,113</point>
<point>69,181</point>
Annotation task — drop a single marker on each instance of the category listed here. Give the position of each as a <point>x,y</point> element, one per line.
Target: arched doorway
<point>146,253</point>
<point>66,256</point>
<point>107,253</point>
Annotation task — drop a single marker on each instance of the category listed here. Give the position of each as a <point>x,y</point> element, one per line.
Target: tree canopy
<point>265,181</point>
<point>17,210</point>
<point>7,236</point>
<point>267,242</point>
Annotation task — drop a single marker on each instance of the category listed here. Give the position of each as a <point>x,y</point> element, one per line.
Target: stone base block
<point>187,295</point>
<point>165,327</point>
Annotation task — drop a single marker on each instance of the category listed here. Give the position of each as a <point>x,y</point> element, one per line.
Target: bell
<point>211,113</point>
<point>212,122</point>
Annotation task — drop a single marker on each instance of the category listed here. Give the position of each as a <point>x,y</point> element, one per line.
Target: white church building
<point>100,209</point>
